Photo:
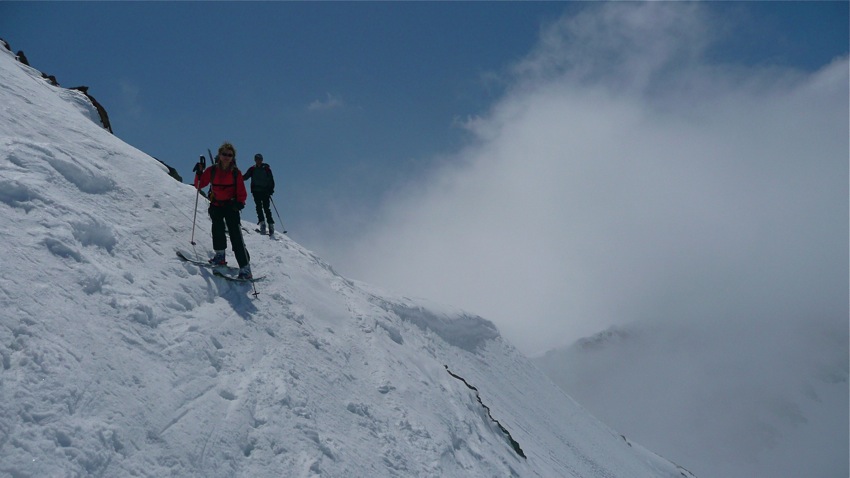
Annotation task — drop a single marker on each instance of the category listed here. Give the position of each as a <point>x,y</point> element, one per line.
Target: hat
<point>258,156</point>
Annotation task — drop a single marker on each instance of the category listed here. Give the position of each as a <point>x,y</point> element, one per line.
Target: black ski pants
<point>262,200</point>
<point>221,215</point>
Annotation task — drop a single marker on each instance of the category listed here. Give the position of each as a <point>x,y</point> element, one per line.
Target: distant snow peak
<point>604,338</point>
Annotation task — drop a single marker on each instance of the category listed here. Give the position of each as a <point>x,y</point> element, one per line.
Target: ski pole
<point>278,215</point>
<point>192,240</point>
<point>202,161</point>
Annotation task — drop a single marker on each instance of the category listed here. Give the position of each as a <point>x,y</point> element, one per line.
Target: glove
<point>236,205</point>
<point>271,193</point>
<point>200,166</point>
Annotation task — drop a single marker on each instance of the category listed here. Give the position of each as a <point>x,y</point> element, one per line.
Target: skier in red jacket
<point>227,197</point>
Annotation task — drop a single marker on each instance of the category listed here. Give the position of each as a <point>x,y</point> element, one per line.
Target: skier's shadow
<point>240,297</point>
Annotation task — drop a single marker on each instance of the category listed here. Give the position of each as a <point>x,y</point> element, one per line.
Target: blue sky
<point>385,81</point>
<point>372,114</point>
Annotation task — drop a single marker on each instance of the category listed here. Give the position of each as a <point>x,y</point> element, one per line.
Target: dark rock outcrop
<point>171,171</point>
<point>101,111</point>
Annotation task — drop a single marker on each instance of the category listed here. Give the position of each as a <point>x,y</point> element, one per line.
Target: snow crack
<point>504,430</point>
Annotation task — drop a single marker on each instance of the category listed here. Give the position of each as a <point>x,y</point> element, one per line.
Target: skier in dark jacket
<point>262,188</point>
<point>227,197</point>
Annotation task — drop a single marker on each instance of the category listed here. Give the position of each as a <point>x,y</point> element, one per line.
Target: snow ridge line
<point>513,442</point>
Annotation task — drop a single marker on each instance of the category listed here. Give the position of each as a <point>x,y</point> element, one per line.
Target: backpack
<point>262,179</point>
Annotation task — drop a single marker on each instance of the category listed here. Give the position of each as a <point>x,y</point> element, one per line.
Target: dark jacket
<point>262,180</point>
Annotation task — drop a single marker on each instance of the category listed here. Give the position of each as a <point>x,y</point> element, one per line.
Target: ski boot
<point>245,273</point>
<point>218,259</point>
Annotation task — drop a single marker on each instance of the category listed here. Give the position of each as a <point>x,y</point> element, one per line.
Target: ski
<point>272,235</point>
<point>206,264</point>
<point>231,278</point>
<point>264,233</point>
<point>220,271</point>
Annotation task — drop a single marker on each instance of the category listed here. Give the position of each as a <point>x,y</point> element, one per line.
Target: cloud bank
<point>625,177</point>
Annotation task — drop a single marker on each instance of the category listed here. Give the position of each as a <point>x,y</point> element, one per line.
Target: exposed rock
<point>104,117</point>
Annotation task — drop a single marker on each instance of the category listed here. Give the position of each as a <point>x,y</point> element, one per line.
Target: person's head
<point>226,154</point>
<point>258,158</point>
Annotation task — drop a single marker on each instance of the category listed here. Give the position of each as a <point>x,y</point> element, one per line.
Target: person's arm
<point>204,179</point>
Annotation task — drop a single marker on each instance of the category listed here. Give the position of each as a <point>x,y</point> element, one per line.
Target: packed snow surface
<point>119,359</point>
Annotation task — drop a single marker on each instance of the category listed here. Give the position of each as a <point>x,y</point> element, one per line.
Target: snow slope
<point>118,359</point>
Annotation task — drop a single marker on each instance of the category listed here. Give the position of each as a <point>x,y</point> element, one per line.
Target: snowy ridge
<point>118,359</point>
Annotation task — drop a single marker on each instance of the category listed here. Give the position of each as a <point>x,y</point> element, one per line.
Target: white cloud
<point>329,103</point>
<point>593,196</point>
<point>624,46</point>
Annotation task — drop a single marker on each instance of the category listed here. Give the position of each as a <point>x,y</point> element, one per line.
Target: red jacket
<point>223,189</point>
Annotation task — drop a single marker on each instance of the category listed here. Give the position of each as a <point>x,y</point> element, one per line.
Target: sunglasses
<point>226,155</point>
